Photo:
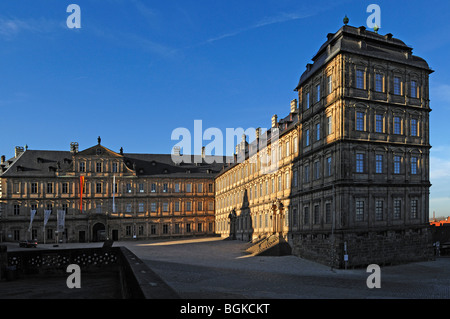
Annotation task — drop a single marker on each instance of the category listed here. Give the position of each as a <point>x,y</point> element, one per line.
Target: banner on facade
<point>47,214</point>
<point>81,193</point>
<point>61,216</point>
<point>32,214</point>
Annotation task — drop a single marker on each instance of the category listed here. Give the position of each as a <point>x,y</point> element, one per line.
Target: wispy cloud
<point>280,18</point>
<point>12,27</point>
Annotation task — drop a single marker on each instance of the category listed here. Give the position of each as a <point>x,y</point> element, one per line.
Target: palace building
<point>351,184</point>
<point>90,195</point>
<point>343,178</point>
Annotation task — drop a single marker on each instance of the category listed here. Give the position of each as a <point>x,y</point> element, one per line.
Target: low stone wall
<point>365,248</point>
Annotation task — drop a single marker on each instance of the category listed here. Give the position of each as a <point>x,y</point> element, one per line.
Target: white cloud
<point>439,168</point>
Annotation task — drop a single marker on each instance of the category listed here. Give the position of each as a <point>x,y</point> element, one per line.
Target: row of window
<point>380,210</point>
<point>379,164</point>
<point>398,128</point>
<point>317,91</point>
<point>99,167</point>
<point>380,84</point>
<point>99,188</point>
<point>165,207</point>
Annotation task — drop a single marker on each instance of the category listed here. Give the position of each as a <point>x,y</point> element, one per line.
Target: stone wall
<point>365,248</point>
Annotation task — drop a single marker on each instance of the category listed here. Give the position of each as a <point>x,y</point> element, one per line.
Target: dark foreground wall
<point>136,279</point>
<point>365,248</point>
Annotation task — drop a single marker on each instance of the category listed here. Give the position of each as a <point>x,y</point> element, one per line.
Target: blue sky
<point>137,69</point>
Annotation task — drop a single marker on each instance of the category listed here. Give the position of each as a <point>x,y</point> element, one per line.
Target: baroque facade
<point>123,196</point>
<point>343,178</point>
<point>351,184</point>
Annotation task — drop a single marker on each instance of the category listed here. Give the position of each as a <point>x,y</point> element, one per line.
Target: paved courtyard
<point>218,269</point>
<point>212,268</point>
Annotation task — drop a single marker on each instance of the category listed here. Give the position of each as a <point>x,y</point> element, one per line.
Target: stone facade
<point>153,196</point>
<point>355,189</point>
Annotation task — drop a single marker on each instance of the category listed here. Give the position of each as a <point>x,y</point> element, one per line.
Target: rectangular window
<point>306,173</point>
<point>318,132</point>
<point>165,207</point>
<point>317,92</point>
<point>397,125</point>
<point>360,163</point>
<point>99,167</point>
<point>188,227</point>
<point>189,206</point>
<point>141,207</point>
<point>307,138</point>
<point>295,178</point>
<point>188,188</point>
<point>295,144</point>
<point>360,74</point>
<point>379,164</point>
<point>328,213</point>
<point>82,167</point>
<point>16,209</point>
<point>306,215</point>
<point>153,207</point>
<point>316,214</point>
<point>414,210</point>
<point>316,170</point>
<point>177,206</point>
<point>397,164</point>
<point>378,210</point>
<point>414,89</point>
<point>153,188</point>
<point>359,121</point>
<point>397,86</point>
<point>199,206</point>
<point>141,188</point>
<point>329,125</point>
<point>330,84</point>
<point>280,186</point>
<point>414,161</point>
<point>200,188</point>
<point>177,187</point>
<point>34,188</point>
<point>98,188</point>
<point>49,188</point>
<point>114,167</point>
<point>307,101</point>
<point>329,162</point>
<point>211,205</point>
<point>165,188</point>
<point>414,131</point>
<point>397,209</point>
<point>379,82</point>
<point>379,123</point>
<point>211,187</point>
<point>65,188</point>
<point>128,208</point>
<point>128,188</point>
<point>165,229</point>
<point>359,210</point>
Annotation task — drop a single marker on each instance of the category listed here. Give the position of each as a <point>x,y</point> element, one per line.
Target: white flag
<point>47,214</point>
<point>61,220</point>
<point>32,213</point>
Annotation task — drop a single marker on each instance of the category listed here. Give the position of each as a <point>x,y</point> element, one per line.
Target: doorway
<point>98,232</point>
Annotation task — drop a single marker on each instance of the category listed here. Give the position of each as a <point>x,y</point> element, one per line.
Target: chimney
<point>74,147</point>
<point>258,133</point>
<point>3,159</point>
<point>18,150</point>
<point>275,121</point>
<point>203,152</point>
<point>294,106</point>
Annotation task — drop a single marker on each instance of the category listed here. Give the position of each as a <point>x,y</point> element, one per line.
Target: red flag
<point>81,193</point>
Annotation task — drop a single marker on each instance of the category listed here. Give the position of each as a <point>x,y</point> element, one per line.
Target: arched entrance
<point>98,232</point>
